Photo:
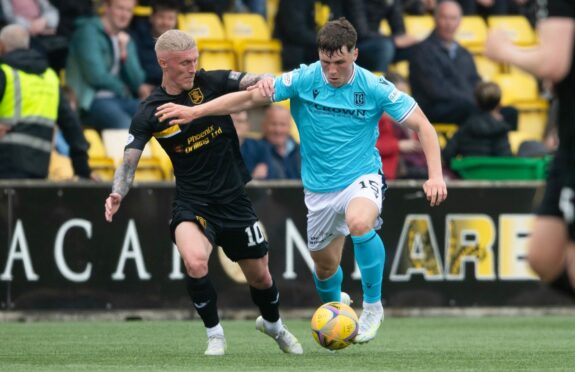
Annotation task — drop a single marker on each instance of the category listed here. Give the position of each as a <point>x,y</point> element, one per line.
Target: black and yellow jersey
<point>205,154</point>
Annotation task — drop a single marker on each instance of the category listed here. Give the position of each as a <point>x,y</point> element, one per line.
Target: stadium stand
<point>257,52</point>
<point>215,51</point>
<point>518,28</point>
<point>472,33</point>
<point>99,161</point>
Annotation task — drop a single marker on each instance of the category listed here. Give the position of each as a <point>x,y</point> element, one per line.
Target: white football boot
<point>216,345</point>
<point>369,322</point>
<point>287,342</point>
<point>345,299</point>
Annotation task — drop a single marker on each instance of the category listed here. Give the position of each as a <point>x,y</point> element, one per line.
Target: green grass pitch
<point>416,344</point>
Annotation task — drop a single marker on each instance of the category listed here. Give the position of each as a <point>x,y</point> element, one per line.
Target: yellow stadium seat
<point>250,35</point>
<point>444,132</point>
<point>149,167</point>
<point>99,161</point>
<point>163,158</point>
<point>322,13</point>
<point>472,33</point>
<point>142,11</point>
<point>520,90</point>
<point>202,26</point>
<point>518,28</point>
<point>384,28</point>
<point>419,26</point>
<point>533,122</point>
<point>272,9</point>
<point>401,68</point>
<point>487,68</point>
<point>216,53</point>
<point>60,168</point>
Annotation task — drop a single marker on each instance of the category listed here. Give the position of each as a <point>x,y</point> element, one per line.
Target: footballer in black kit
<point>209,170</point>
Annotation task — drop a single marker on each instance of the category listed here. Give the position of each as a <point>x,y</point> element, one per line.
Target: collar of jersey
<point>350,81</point>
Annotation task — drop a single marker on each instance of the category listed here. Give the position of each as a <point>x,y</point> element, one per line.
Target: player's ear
<point>162,62</point>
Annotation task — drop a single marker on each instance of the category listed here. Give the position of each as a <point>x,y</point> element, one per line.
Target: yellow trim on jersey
<point>168,132</point>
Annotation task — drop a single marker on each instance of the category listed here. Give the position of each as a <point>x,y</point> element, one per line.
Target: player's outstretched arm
<point>434,188</point>
<point>550,59</point>
<point>123,179</point>
<point>224,105</point>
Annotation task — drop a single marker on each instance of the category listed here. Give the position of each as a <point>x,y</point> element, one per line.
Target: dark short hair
<point>334,35</point>
<point>487,95</point>
<point>163,5</point>
<point>395,78</point>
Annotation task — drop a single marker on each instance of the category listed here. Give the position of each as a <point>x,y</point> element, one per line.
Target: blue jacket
<point>90,59</point>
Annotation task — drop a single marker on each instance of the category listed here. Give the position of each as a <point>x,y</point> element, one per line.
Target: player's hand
<point>176,114</point>
<point>435,191</point>
<point>265,86</point>
<point>112,205</point>
<point>497,45</point>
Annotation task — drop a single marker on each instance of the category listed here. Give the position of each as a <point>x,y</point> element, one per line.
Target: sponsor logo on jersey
<point>359,98</point>
<point>394,95</point>
<point>340,111</point>
<point>287,78</point>
<point>234,75</point>
<point>196,96</point>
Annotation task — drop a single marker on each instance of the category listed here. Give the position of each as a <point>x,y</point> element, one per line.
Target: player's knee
<point>358,225</point>
<point>197,268</point>
<point>261,280</point>
<point>324,270</point>
<point>542,263</point>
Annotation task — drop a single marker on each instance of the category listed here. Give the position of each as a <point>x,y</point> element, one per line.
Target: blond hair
<point>14,37</point>
<point>174,41</point>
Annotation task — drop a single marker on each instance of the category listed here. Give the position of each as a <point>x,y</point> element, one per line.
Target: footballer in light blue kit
<point>336,106</point>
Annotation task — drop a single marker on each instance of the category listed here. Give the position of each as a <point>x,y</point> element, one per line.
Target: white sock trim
<point>216,330</point>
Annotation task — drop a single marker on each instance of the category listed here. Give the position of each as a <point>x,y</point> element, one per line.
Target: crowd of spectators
<point>107,58</point>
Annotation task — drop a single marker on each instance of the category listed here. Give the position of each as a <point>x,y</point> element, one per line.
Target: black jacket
<point>480,135</point>
<point>18,161</point>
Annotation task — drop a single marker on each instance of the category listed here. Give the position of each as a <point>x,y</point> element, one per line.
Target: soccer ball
<point>334,325</point>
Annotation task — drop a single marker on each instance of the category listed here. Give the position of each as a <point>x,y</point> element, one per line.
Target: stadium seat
<point>401,68</point>
<point>518,28</point>
<point>252,42</point>
<point>142,11</point>
<point>487,68</point>
<point>472,33</point>
<point>215,51</point>
<point>272,9</point>
<point>419,26</point>
<point>444,132</point>
<point>384,28</point>
<point>533,122</point>
<point>520,90</point>
<point>163,158</point>
<point>99,161</point>
<point>516,138</point>
<point>149,167</point>
<point>60,168</point>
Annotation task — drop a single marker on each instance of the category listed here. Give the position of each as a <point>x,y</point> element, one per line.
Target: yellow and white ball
<point>334,325</point>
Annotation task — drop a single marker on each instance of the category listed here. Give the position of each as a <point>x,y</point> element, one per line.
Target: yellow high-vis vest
<point>30,101</point>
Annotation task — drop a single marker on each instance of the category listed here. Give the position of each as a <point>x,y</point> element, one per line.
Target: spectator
<point>443,74</point>
<point>483,134</point>
<point>419,7</point>
<point>28,119</point>
<point>285,161</point>
<point>399,147</point>
<point>392,11</point>
<point>103,67</point>
<point>256,155</point>
<point>145,31</point>
<point>41,19</point>
<point>485,8</point>
<point>295,28</point>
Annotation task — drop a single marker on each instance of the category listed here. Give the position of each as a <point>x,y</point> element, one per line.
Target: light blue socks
<point>329,289</point>
<point>370,256</point>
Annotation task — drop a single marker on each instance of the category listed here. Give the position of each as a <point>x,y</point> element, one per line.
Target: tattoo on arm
<point>124,175</point>
<point>250,79</point>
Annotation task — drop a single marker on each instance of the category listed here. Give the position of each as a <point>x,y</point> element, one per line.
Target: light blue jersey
<point>338,126</point>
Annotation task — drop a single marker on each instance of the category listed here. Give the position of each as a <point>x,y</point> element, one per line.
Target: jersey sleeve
<point>140,132</point>
<point>394,102</point>
<point>560,8</point>
<point>224,81</point>
<point>285,85</point>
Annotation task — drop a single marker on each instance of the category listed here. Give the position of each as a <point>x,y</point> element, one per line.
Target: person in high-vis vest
<point>31,105</point>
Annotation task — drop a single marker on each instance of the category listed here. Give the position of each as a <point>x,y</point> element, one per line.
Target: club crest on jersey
<point>196,96</point>
<point>359,98</point>
<point>202,221</point>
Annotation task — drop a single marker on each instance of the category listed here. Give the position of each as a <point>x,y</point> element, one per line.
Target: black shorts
<point>233,226</point>
<point>559,197</point>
